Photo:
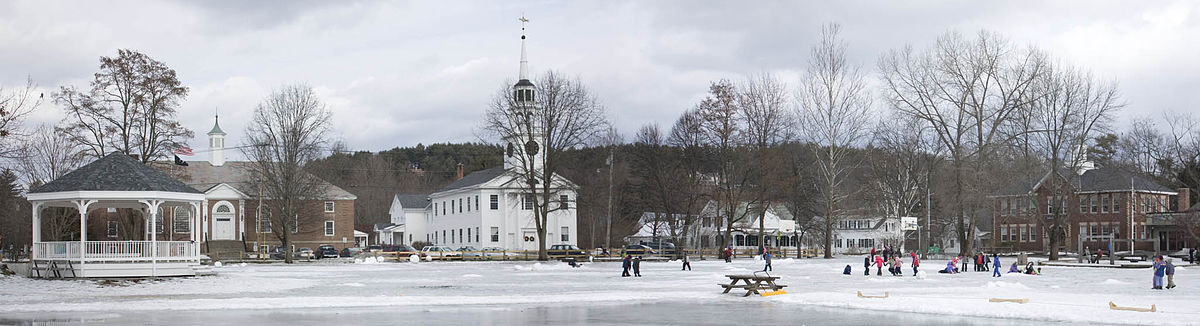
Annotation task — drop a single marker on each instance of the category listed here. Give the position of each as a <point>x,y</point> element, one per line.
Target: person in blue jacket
<point>1160,269</point>
<point>767,257</point>
<point>626,262</point>
<point>995,265</point>
<point>1013,268</point>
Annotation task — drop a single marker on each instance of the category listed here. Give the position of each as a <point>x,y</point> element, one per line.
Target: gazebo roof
<point>115,172</point>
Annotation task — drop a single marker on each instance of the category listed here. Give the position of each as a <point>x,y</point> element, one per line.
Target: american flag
<point>184,150</point>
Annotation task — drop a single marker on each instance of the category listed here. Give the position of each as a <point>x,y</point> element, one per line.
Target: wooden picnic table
<point>752,283</point>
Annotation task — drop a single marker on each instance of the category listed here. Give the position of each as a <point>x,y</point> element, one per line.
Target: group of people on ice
<point>984,264</point>
<point>889,257</point>
<point>1163,267</point>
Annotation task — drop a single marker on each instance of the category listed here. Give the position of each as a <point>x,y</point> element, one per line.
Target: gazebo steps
<point>225,249</point>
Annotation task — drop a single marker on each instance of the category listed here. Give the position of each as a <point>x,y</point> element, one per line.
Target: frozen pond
<point>554,293</point>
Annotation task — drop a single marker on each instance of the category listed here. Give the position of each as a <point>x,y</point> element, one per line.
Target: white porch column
<point>152,208</point>
<point>241,226</point>
<point>37,226</point>
<point>196,228</point>
<point>83,205</point>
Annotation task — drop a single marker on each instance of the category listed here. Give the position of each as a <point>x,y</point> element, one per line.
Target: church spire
<point>524,74</point>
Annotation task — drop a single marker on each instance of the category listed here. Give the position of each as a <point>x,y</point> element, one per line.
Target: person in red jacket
<point>878,265</point>
<point>916,263</point>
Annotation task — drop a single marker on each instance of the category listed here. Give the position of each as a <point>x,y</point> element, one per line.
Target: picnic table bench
<point>752,283</point>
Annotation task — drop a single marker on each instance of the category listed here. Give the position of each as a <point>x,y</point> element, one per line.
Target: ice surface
<point>1070,294</point>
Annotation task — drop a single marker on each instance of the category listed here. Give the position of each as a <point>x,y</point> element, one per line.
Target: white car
<point>498,252</point>
<point>439,251</point>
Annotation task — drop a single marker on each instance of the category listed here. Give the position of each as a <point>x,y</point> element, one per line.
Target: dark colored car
<point>278,252</point>
<point>325,251</point>
<point>565,250</point>
<point>401,250</point>
<point>665,248</point>
<point>374,248</point>
<point>351,252</point>
<point>637,249</point>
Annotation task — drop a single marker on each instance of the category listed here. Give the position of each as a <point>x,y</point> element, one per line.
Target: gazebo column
<point>37,226</point>
<point>152,208</point>
<point>82,206</point>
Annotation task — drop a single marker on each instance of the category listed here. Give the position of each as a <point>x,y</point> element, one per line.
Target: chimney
<point>1185,199</point>
<point>458,173</point>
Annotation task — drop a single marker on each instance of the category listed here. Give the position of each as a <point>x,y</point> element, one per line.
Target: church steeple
<point>524,146</point>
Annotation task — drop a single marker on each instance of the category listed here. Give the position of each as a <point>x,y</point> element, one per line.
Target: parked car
<point>469,251</point>
<point>304,253</point>
<point>401,250</point>
<point>351,252</point>
<point>374,248</point>
<point>326,251</point>
<point>498,252</point>
<point>637,249</point>
<point>665,248</point>
<point>564,250</point>
<point>439,252</point>
<point>277,252</point>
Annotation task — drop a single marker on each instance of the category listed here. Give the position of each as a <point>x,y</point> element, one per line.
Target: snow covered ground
<point>526,292</point>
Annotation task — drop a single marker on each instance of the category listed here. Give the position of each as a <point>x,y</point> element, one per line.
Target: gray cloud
<point>398,74</point>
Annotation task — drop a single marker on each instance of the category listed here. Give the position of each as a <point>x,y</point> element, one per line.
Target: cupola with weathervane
<point>216,144</point>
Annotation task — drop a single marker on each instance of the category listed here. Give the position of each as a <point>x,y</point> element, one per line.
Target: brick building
<point>231,206</point>
<point>1097,202</point>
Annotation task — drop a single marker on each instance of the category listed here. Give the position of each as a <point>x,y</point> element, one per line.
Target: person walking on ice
<point>995,265</point>
<point>878,265</point>
<point>626,263</point>
<point>1170,271</point>
<point>1159,270</point>
<point>916,263</point>
<point>687,264</point>
<point>867,266</point>
<point>637,266</point>
<point>767,257</point>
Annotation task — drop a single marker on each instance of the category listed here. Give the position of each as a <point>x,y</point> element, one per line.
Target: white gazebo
<point>117,181</point>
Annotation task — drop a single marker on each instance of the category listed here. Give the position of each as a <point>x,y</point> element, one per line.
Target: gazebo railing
<point>115,250</point>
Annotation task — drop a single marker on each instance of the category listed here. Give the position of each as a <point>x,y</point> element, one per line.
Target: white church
<point>489,208</point>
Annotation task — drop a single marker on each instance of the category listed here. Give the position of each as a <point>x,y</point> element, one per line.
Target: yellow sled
<point>771,293</point>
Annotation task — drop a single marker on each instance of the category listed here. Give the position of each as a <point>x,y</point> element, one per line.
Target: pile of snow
<point>542,267</point>
<point>367,260</point>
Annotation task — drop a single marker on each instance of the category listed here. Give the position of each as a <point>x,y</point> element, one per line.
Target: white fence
<point>115,250</point>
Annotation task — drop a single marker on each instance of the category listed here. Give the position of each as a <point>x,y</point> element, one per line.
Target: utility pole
<point>928,219</point>
<point>608,228</point>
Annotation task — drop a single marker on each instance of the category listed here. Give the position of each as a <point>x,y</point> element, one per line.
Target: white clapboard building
<point>489,208</point>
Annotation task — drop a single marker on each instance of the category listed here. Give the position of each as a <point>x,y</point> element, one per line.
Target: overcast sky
<point>402,73</point>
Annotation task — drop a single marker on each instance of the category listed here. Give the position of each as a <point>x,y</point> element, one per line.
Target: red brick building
<point>1097,202</point>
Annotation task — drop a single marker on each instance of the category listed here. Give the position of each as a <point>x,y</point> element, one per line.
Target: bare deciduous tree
<point>15,105</point>
<point>835,107</point>
<point>130,108</point>
<point>966,90</point>
<point>287,132</point>
<point>1069,108</point>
